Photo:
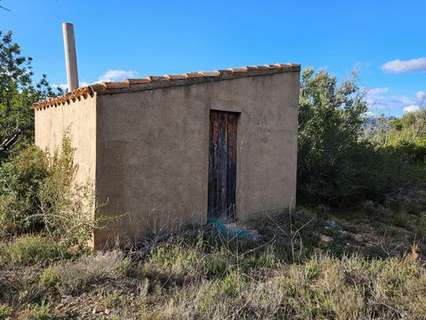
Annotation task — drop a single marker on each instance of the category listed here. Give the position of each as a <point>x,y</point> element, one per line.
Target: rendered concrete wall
<point>80,119</point>
<point>152,151</point>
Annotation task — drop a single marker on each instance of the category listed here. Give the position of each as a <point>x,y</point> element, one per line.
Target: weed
<point>5,312</point>
<point>111,300</point>
<point>76,276</point>
<point>32,249</point>
<point>401,219</point>
<point>49,278</point>
<point>175,259</point>
<point>4,254</point>
<point>37,312</point>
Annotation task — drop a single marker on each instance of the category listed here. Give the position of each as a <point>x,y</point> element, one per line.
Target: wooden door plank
<point>222,164</point>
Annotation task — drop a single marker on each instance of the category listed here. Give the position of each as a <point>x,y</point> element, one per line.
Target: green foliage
<point>29,249</point>
<point>21,179</point>
<point>39,193</point>
<point>370,172</point>
<point>406,137</point>
<point>330,120</point>
<point>17,94</point>
<point>410,129</point>
<point>228,287</point>
<point>111,300</point>
<point>174,259</point>
<point>49,278</point>
<point>37,312</point>
<point>335,165</point>
<point>5,312</point>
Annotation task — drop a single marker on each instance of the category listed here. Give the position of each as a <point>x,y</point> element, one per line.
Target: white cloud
<point>421,95</point>
<point>411,108</point>
<point>376,91</point>
<point>380,101</point>
<point>401,66</point>
<point>109,75</point>
<point>117,75</point>
<point>388,103</point>
<point>379,98</point>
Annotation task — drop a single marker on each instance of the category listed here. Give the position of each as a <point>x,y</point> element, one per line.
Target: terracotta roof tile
<point>117,85</point>
<point>240,69</point>
<point>225,72</point>
<point>178,76</point>
<point>153,82</point>
<point>158,78</point>
<point>211,73</point>
<point>139,81</point>
<point>195,75</point>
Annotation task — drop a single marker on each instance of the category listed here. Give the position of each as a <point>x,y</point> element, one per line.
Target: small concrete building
<point>167,151</point>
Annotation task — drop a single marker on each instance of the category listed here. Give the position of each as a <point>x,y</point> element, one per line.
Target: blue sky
<point>384,40</point>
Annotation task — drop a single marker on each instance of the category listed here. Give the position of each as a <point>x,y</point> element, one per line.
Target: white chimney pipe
<point>70,55</point>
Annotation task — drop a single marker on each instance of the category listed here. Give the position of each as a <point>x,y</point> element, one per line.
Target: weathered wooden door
<point>222,165</point>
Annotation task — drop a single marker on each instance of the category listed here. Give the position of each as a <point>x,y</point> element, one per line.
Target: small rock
<point>325,238</point>
<point>107,311</point>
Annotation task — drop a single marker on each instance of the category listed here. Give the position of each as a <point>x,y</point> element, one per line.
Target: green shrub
<point>336,165</point>
<point>212,294</point>
<point>112,300</point>
<point>37,312</point>
<point>176,259</point>
<point>330,121</point>
<point>5,312</point>
<point>31,249</point>
<point>39,192</point>
<point>49,278</point>
<point>215,264</point>
<point>20,181</point>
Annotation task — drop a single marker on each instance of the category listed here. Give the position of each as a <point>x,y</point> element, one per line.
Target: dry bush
<point>67,207</point>
<point>74,277</point>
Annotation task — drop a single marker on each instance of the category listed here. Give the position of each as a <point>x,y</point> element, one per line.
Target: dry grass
<point>321,288</point>
<point>199,274</point>
<point>74,277</point>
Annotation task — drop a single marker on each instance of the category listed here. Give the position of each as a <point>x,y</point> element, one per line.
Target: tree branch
<point>11,140</point>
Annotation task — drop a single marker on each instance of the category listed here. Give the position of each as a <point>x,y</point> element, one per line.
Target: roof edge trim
<point>155,82</point>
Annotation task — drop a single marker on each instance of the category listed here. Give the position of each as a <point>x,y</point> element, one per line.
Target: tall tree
<point>330,122</point>
<point>17,94</point>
